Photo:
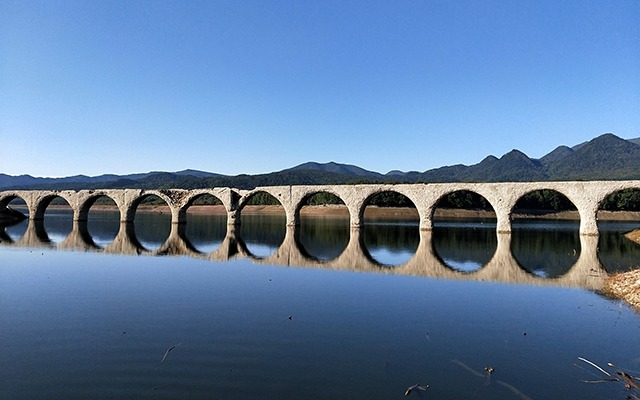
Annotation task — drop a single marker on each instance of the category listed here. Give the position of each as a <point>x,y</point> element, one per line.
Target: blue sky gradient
<point>94,87</point>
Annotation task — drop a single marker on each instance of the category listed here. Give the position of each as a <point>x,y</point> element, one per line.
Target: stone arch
<point>152,229</point>
<point>135,202</point>
<point>7,197</point>
<point>45,200</point>
<point>280,193</point>
<point>203,232</point>
<point>275,191</point>
<point>54,228</point>
<point>615,191</point>
<point>575,202</point>
<point>84,205</point>
<point>14,227</point>
<point>444,197</point>
<point>396,189</point>
<point>549,248</point>
<point>618,222</point>
<point>261,237</point>
<point>99,233</point>
<point>193,196</point>
<point>469,240</point>
<point>309,194</point>
<point>317,240</point>
<point>391,238</point>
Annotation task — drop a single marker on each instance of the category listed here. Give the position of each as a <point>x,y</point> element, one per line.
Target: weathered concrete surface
<point>586,196</point>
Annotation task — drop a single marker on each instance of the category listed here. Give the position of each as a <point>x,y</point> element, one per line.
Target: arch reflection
<point>206,232</point>
<point>465,246</point>
<point>546,252</point>
<point>586,270</point>
<point>151,221</point>
<point>11,230</point>
<point>263,224</point>
<point>391,244</point>
<point>57,215</point>
<point>103,222</point>
<point>321,239</point>
<point>619,208</point>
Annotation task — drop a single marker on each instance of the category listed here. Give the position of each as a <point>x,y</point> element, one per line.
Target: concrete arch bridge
<point>503,196</point>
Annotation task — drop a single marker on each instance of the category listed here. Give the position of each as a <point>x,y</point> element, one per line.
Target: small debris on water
<point>417,386</point>
<point>168,350</point>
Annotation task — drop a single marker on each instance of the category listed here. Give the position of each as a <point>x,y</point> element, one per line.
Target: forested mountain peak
<point>605,157</point>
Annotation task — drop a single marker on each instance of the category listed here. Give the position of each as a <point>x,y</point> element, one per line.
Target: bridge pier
<point>234,218</point>
<point>589,222</point>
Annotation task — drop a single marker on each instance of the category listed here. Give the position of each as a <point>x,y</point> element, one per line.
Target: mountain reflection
<point>456,250</point>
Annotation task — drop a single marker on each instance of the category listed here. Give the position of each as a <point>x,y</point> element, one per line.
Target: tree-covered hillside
<point>606,157</point>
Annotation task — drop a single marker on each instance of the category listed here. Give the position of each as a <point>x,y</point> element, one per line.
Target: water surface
<point>89,324</point>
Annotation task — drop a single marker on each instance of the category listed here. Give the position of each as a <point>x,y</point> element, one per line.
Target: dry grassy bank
<point>633,235</point>
<point>625,286</point>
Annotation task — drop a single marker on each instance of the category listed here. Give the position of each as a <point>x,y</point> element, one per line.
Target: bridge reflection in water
<point>587,272</point>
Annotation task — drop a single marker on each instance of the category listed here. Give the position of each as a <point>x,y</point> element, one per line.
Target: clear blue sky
<point>93,87</point>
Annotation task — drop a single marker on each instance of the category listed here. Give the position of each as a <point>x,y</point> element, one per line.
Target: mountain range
<point>606,157</point>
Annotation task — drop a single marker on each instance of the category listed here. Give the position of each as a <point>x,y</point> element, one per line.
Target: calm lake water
<point>321,312</point>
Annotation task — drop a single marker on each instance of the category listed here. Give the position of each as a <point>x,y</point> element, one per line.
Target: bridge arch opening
<point>57,216</point>
<point>391,232</point>
<point>206,222</point>
<point>263,226</point>
<point>151,221</point>
<point>619,227</point>
<point>323,233</point>
<point>14,219</point>
<point>102,219</point>
<point>16,206</point>
<point>545,234</point>
<point>464,231</point>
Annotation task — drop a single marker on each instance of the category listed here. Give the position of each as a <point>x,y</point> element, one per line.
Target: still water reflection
<point>78,324</point>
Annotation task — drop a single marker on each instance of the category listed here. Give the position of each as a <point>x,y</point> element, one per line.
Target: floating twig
<point>601,380</point>
<point>628,380</point>
<point>166,353</point>
<point>594,365</point>
<point>414,387</point>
